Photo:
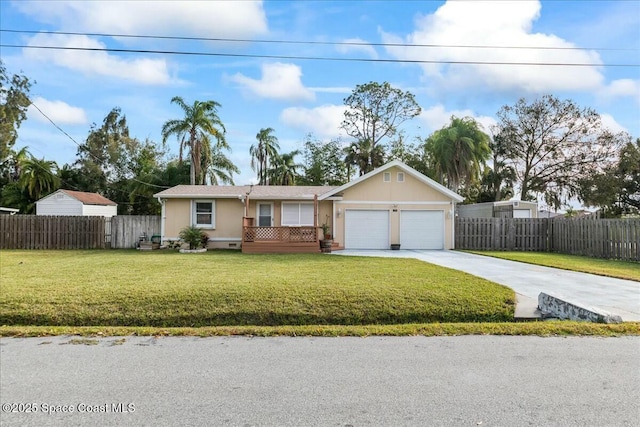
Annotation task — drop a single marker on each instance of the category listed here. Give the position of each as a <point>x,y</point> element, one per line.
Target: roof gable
<point>407,169</point>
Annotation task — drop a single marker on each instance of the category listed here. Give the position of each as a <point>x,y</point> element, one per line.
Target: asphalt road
<point>375,381</point>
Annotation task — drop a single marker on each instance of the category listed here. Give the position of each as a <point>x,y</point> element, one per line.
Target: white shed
<point>76,203</point>
<point>502,209</point>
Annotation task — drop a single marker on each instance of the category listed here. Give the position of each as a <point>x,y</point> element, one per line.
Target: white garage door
<point>521,213</point>
<point>366,229</point>
<point>421,230</point>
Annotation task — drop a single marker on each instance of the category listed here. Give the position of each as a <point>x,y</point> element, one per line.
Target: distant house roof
<point>279,192</point>
<point>9,211</point>
<point>89,198</point>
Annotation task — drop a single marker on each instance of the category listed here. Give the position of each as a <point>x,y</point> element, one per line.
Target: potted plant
<point>195,238</point>
<point>327,242</point>
<point>326,231</point>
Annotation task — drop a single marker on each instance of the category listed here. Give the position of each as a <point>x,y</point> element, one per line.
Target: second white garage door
<point>421,229</point>
<point>366,229</point>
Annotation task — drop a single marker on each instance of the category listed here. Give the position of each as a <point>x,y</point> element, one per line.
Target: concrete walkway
<point>617,296</point>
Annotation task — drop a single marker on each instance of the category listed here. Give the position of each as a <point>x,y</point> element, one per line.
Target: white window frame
<point>272,213</point>
<point>194,213</point>
<point>400,177</point>
<point>299,223</point>
<point>386,177</point>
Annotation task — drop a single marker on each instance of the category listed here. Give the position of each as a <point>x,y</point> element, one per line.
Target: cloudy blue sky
<point>297,96</point>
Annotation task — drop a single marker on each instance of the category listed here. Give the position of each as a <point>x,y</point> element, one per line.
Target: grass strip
<point>603,267</point>
<point>546,328</point>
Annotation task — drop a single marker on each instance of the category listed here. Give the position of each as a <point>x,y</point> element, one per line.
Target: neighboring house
<point>8,211</point>
<point>76,203</point>
<point>502,209</point>
<point>545,213</point>
<point>393,204</point>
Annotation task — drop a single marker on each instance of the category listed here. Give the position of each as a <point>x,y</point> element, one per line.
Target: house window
<point>204,213</point>
<point>386,177</point>
<point>400,176</point>
<point>297,214</point>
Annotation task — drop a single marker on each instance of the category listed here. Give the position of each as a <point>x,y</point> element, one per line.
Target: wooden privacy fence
<point>75,232</point>
<point>602,238</point>
<point>127,229</point>
<point>51,232</point>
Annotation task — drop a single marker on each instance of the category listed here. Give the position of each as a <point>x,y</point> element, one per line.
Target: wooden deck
<point>280,240</point>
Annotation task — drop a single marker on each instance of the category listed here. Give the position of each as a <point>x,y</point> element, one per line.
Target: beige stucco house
<point>393,204</point>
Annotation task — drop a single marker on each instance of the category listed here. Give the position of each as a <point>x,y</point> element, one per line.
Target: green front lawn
<point>603,267</point>
<point>166,289</point>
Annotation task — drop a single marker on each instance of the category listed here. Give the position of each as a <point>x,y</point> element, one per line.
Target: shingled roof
<point>89,198</point>
<point>281,192</point>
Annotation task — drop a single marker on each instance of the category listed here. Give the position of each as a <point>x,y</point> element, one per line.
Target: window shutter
<point>290,214</point>
<point>306,214</point>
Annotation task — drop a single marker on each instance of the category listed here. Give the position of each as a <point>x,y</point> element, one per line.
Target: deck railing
<point>305,234</point>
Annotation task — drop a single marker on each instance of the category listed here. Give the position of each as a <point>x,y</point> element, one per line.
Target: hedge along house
<point>76,203</point>
<point>393,204</point>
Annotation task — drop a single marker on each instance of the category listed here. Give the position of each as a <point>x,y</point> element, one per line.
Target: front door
<point>265,214</point>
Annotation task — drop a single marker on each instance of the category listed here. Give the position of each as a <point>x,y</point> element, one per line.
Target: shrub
<point>194,236</point>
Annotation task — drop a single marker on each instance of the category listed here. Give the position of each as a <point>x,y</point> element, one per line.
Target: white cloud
<point>184,18</point>
<point>324,121</point>
<point>437,117</point>
<point>481,23</point>
<point>279,81</point>
<point>59,112</point>
<point>141,70</point>
<point>623,88</point>
<point>359,46</point>
<point>610,123</point>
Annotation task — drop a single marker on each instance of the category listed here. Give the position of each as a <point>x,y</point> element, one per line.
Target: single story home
<point>76,203</point>
<point>394,204</point>
<point>501,209</point>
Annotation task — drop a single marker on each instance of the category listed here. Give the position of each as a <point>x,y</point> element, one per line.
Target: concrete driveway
<point>617,296</point>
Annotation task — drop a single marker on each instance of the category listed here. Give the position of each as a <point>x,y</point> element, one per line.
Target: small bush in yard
<point>193,236</point>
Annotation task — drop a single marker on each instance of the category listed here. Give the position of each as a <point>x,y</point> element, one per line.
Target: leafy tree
<point>194,131</point>
<point>458,151</point>
<point>266,149</point>
<point>616,190</point>
<point>31,179</point>
<point>551,144</point>
<point>107,154</point>
<point>498,180</point>
<point>219,168</point>
<point>364,155</point>
<point>323,163</point>
<point>284,169</point>
<point>374,112</point>
<point>38,177</point>
<point>14,101</point>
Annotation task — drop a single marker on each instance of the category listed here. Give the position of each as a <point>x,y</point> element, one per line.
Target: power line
<point>311,42</point>
<point>89,152</point>
<point>314,58</point>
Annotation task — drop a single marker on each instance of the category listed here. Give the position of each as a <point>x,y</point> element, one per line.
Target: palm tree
<point>217,165</point>
<point>284,169</point>
<point>38,177</point>
<point>266,148</point>
<point>458,151</point>
<point>365,155</point>
<point>200,122</point>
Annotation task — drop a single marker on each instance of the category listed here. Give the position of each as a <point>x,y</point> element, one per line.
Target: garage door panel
<point>366,229</point>
<point>421,229</point>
